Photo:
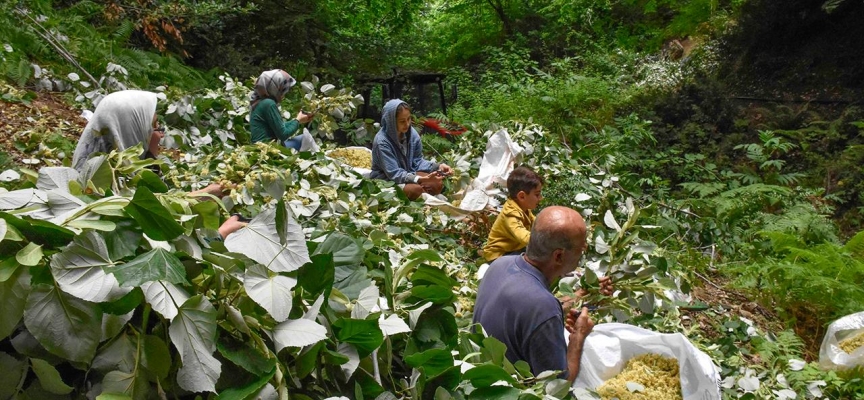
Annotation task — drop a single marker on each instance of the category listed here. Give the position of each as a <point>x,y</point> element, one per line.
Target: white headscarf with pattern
<point>272,84</point>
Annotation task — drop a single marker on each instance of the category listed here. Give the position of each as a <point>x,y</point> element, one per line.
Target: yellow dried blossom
<point>851,344</point>
<point>657,374</point>
<point>354,157</point>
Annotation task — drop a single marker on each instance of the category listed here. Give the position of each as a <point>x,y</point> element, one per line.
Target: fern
<point>124,32</point>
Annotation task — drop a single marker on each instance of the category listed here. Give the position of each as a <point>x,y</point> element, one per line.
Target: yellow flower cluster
<point>354,157</point>
<point>657,374</point>
<point>851,344</point>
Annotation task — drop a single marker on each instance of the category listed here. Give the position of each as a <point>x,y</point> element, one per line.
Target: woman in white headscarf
<point>122,119</point>
<point>265,120</point>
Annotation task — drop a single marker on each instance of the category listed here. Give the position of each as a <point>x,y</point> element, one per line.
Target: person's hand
<point>430,178</point>
<point>579,323</point>
<point>304,118</point>
<point>214,189</point>
<point>567,302</point>
<point>230,226</point>
<point>445,169</point>
<point>606,286</point>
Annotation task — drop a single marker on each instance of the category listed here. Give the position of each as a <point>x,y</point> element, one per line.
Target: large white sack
<point>830,355</point>
<point>609,346</point>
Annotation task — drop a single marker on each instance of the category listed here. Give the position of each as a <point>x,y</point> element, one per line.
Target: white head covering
<point>121,120</point>
<point>271,84</point>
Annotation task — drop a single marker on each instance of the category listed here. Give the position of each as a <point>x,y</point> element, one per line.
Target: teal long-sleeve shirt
<point>266,123</point>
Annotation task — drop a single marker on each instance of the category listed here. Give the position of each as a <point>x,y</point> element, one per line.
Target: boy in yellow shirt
<point>512,228</point>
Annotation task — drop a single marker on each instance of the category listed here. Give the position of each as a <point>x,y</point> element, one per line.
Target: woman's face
<point>157,133</point>
<point>403,120</point>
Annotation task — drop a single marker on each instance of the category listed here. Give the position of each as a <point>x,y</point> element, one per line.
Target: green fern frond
<point>124,32</point>
<point>855,246</point>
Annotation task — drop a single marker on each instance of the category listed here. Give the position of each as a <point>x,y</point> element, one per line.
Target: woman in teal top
<point>265,120</point>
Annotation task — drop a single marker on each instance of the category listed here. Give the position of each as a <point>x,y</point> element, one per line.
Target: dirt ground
<point>47,119</point>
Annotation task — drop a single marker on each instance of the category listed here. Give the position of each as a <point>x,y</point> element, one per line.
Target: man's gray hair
<point>545,240</point>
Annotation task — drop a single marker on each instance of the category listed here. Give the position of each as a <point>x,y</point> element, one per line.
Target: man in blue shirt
<point>514,303</point>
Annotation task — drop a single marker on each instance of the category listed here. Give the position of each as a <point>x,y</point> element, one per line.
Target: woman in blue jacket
<point>397,154</point>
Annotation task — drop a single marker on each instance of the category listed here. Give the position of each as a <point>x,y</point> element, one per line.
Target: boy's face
<point>529,201</point>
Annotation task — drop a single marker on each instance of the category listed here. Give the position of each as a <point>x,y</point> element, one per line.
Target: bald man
<point>515,304</point>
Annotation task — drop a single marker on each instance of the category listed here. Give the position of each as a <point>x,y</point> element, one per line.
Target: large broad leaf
<point>56,178</point>
<point>193,333</point>
<point>132,384</point>
<point>366,302</point>
<point>317,278</point>
<point>157,357</point>
<point>298,333</point>
<point>13,369</point>
<point>344,248</point>
<point>245,356</point>
<point>78,269</point>
<point>66,326</point>
<point>434,361</point>
<point>154,265</point>
<point>249,390</point>
<point>19,198</point>
<point>271,292</point>
<point>41,232</point>
<point>363,334</point>
<point>164,297</point>
<point>351,280</point>
<point>119,355</point>
<point>13,297</point>
<point>154,219</point>
<point>485,375</point>
<point>350,352</point>
<point>392,325</point>
<point>62,205</point>
<point>49,378</point>
<point>260,241</point>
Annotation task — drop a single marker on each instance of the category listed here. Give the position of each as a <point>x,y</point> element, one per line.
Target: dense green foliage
<point>704,140</point>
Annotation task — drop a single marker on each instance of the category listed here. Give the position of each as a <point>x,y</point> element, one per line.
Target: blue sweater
<point>389,162</point>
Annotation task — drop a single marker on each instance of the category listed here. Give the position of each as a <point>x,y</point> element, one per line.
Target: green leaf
<point>66,326</point>
<point>155,265</point>
<point>433,362</point>
<point>209,213</point>
<point>132,384</point>
<point>8,267</point>
<point>157,358</point>
<point>3,229</point>
<point>426,275</point>
<point>344,248</point>
<point>245,356</point>
<point>350,280</point>
<point>193,333</point>
<point>124,304</point>
<point>154,219</point>
<point>364,334</point>
<point>298,333</point>
<point>487,374</point>
<point>29,255</point>
<point>117,355</point>
<point>149,179</point>
<point>165,297</point>
<point>49,378</point>
<point>13,369</point>
<point>80,270</point>
<point>260,241</point>
<point>244,392</point>
<point>308,360</point>
<point>13,297</point>
<point>317,277</point>
<point>274,293</point>
<point>495,392</point>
